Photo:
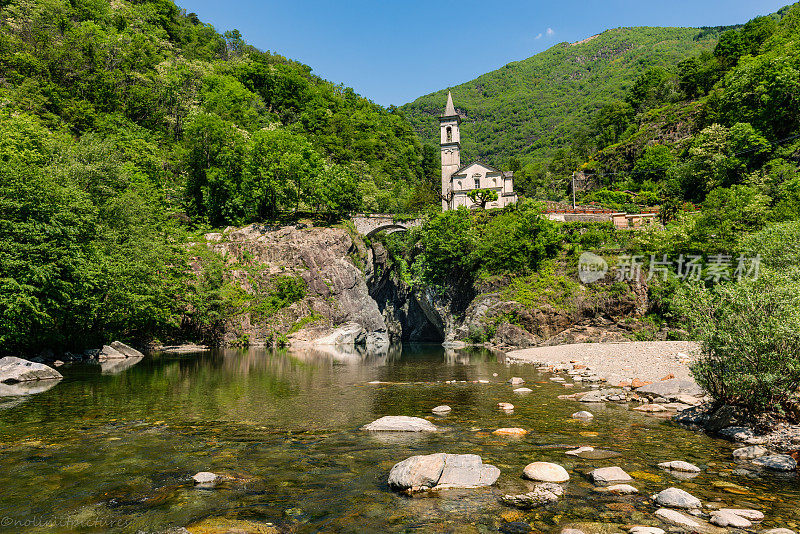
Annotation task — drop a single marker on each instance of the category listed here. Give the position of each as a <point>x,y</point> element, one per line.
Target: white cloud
<point>550,32</point>
<point>538,36</point>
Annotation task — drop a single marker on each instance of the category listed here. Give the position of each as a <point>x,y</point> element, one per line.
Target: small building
<point>458,180</point>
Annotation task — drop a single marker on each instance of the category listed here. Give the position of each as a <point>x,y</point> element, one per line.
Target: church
<point>458,180</point>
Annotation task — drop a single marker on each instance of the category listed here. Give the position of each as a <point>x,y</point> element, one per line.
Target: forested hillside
<point>534,109</point>
<point>126,124</point>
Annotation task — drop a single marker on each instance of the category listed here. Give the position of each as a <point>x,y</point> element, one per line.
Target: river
<point>116,452</point>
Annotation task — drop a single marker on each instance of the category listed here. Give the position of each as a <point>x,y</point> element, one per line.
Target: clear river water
<point>116,452</point>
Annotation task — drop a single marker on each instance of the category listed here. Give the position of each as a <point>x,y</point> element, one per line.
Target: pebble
<point>779,531</point>
<point>523,390</point>
<point>557,379</point>
<point>545,472</point>
<point>737,433</point>
<point>510,432</point>
<point>677,498</point>
<point>507,406</point>
<point>205,477</point>
<point>678,465</point>
<point>443,409</point>
<point>542,494</point>
<point>583,414</point>
<point>515,381</point>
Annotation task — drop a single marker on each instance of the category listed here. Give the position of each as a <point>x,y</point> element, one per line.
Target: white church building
<point>458,180</point>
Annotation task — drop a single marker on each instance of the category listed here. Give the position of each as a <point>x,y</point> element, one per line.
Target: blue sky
<point>392,51</point>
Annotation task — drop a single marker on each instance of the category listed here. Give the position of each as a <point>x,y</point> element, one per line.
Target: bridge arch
<point>369,225</point>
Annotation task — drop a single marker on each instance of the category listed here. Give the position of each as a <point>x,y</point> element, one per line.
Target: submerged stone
<point>678,465</point>
<point>400,423</point>
<point>777,462</point>
<point>542,494</point>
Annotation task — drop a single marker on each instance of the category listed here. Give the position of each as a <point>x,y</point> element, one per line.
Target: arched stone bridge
<point>368,225</point>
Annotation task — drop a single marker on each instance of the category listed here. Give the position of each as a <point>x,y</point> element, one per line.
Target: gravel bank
<point>618,362</point>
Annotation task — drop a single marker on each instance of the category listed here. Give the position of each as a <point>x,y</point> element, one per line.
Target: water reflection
<point>284,427</point>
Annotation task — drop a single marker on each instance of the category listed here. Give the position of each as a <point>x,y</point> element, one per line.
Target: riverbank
<point>647,361</point>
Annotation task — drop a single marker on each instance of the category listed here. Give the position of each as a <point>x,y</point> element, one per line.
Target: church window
<point>449,134</point>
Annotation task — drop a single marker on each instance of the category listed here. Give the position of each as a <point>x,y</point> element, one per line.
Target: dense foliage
<point>457,247</point>
<point>126,124</point>
<point>750,336</point>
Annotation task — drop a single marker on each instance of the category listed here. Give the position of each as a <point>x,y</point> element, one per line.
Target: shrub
<point>750,337</point>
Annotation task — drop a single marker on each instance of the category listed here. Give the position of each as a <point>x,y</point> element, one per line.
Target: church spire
<point>449,109</point>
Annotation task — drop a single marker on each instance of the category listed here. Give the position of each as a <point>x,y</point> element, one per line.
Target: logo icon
<point>591,268</point>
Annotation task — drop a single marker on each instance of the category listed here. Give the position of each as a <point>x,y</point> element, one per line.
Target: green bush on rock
<point>750,337</point>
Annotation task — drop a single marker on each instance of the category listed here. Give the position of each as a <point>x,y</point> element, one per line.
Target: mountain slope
<point>529,108</point>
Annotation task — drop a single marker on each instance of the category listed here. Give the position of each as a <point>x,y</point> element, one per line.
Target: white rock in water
<point>676,518</point>
<point>677,498</point>
<point>583,414</point>
<point>515,381</point>
<point>724,518</point>
<point>443,409</point>
<point>545,472</point>
<point>523,390</point>
<point>205,477</point>
<point>641,529</point>
<point>748,453</point>
<point>441,471</point>
<point>607,475</point>
<point>779,531</point>
<point>13,370</point>
<point>777,462</point>
<point>752,515</point>
<point>506,406</point>
<point>678,465</point>
<point>400,423</point>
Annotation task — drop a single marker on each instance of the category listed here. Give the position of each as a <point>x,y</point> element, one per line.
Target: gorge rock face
<point>442,471</point>
<point>336,308</point>
<point>14,370</point>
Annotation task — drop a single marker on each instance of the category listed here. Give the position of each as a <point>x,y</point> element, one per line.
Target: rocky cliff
<point>352,295</point>
<point>334,306</point>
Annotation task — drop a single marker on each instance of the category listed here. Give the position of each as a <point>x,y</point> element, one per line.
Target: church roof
<point>476,162</point>
<point>449,109</point>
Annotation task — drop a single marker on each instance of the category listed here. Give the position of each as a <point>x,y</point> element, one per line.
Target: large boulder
<point>400,423</point>
<point>442,471</point>
<point>128,351</point>
<point>13,370</point>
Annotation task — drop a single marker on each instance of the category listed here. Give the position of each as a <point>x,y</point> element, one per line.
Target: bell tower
<point>450,142</point>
